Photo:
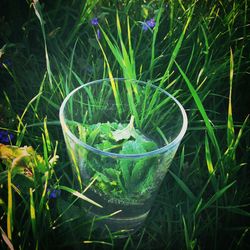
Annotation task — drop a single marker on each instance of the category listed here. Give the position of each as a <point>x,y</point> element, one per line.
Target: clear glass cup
<point>123,182</point>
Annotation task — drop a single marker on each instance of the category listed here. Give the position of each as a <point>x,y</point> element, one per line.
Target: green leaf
<point>133,171</point>
<point>147,181</point>
<point>125,175</point>
<point>82,133</point>
<point>105,129</point>
<point>138,171</point>
<point>146,143</point>
<point>132,147</point>
<point>92,135</point>
<point>112,173</point>
<point>105,145</point>
<point>125,167</point>
<point>102,178</point>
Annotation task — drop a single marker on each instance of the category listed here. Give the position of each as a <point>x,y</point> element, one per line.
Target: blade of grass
<point>47,137</point>
<point>230,124</point>
<point>182,6</point>
<point>6,239</point>
<point>129,71</point>
<point>90,95</point>
<point>26,109</point>
<point>45,150</point>
<point>69,75</point>
<point>182,158</point>
<point>216,196</point>
<point>112,81</point>
<point>126,245</point>
<point>39,96</point>
<point>41,204</point>
<point>131,51</point>
<point>183,186</point>
<point>186,234</point>
<point>10,208</point>
<point>97,242</point>
<point>79,195</point>
<point>241,238</point>
<point>100,218</point>
<point>156,28</point>
<point>87,9</point>
<point>197,208</point>
<point>202,112</point>
<point>206,52</point>
<point>210,167</point>
<point>190,58</point>
<point>172,59</point>
<point>140,239</point>
<point>33,214</point>
<point>176,49</point>
<point>52,104</point>
<point>240,133</point>
<point>38,12</point>
<point>76,167</point>
<point>130,68</point>
<point>20,136</point>
<point>127,63</point>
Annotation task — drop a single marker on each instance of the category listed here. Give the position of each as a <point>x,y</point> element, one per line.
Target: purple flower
<point>53,193</point>
<point>94,21</point>
<point>148,24</point>
<point>151,23</point>
<point>5,137</point>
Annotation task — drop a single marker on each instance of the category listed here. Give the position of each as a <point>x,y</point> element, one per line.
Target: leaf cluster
<point>124,176</point>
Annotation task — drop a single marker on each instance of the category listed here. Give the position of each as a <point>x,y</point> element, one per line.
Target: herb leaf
<point>121,177</point>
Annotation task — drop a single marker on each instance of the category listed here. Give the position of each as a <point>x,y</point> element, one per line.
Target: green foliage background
<point>198,51</point>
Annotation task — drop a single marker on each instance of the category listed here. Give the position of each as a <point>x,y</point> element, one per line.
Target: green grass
<point>198,51</point>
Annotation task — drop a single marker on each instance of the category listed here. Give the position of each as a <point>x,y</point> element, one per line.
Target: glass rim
<point>157,151</point>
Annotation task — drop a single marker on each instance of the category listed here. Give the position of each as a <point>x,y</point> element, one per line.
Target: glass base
<point>116,224</point>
